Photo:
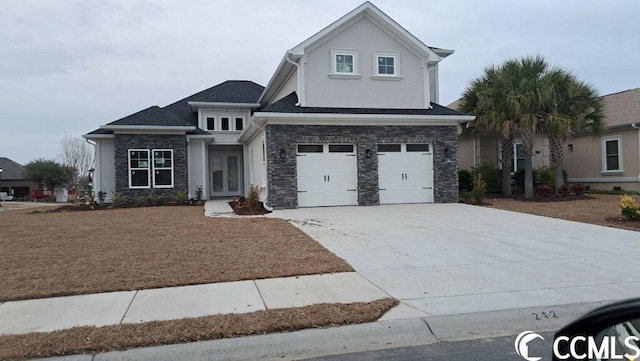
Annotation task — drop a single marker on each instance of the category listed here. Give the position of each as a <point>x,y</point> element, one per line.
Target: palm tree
<point>571,106</point>
<point>507,99</point>
<point>483,98</point>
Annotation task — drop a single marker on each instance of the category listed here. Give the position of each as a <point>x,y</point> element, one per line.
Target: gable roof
<point>381,19</point>
<point>152,116</point>
<point>288,105</point>
<point>11,170</point>
<point>622,108</point>
<point>286,67</point>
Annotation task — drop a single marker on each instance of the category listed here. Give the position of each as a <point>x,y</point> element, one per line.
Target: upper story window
<point>386,66</point>
<point>227,123</point>
<point>344,63</point>
<point>612,154</point>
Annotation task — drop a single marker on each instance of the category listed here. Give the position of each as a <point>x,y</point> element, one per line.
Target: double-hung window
<point>163,168</point>
<point>612,154</point>
<point>150,168</point>
<point>139,175</point>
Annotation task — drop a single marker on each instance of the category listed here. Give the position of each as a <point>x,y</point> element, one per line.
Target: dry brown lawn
<point>121,337</point>
<point>56,254</point>
<point>602,210</point>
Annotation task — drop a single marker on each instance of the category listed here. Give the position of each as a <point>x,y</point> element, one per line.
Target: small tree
<point>47,173</point>
<point>77,159</point>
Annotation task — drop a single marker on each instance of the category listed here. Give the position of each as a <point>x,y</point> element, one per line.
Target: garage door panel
<point>327,179</point>
<point>405,177</point>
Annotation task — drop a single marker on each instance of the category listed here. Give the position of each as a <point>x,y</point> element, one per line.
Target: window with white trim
<point>150,167</point>
<point>211,123</point>
<point>612,154</point>
<point>344,63</point>
<point>386,65</point>
<point>139,175</point>
<point>163,168</point>
<point>517,162</point>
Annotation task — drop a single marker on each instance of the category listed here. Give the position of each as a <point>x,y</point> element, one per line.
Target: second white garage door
<point>327,175</point>
<point>405,173</point>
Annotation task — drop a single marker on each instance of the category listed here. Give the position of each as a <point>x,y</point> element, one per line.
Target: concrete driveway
<point>451,258</point>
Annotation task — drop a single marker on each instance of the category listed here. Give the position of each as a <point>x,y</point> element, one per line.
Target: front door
<point>226,174</point>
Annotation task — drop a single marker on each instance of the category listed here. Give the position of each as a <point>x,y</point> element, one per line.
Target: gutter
<point>298,75</point>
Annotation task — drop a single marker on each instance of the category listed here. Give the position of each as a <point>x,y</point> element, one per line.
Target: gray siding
<point>281,173</point>
<point>124,142</point>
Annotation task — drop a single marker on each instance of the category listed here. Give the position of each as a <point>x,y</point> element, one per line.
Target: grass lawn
<point>601,210</point>
<point>56,254</point>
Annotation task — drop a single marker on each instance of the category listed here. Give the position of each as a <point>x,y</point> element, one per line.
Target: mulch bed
<point>83,207</point>
<point>70,253</point>
<point>243,207</point>
<point>126,336</point>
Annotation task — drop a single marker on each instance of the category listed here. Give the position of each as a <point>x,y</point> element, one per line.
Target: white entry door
<point>226,174</point>
<point>327,175</point>
<point>405,173</point>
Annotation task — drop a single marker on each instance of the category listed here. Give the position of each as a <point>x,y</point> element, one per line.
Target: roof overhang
<point>97,136</point>
<point>148,129</point>
<point>198,105</point>
<point>282,73</point>
<point>200,137</point>
<point>261,119</point>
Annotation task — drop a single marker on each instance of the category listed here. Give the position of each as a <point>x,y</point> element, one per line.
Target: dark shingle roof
<point>231,91</point>
<point>152,116</point>
<point>288,105</point>
<point>11,170</point>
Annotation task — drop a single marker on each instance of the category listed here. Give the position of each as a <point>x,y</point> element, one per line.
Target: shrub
<point>253,198</point>
<point>101,196</point>
<point>199,194</point>
<point>491,176</point>
<point>119,199</point>
<point>479,189</point>
<point>628,207</point>
<point>578,189</point>
<point>545,175</point>
<point>150,199</point>
<point>466,196</point>
<point>465,180</point>
<point>545,190</point>
<point>181,196</point>
<point>564,190</point>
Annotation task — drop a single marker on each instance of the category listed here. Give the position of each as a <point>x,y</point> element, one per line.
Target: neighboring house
<point>607,161</point>
<point>610,160</point>
<point>350,117</point>
<point>13,181</point>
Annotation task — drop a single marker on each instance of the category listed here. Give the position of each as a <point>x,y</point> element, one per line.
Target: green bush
<point>544,176</point>
<point>491,176</point>
<point>181,196</point>
<point>465,180</point>
<point>101,196</point>
<point>199,194</point>
<point>150,199</point>
<point>119,199</point>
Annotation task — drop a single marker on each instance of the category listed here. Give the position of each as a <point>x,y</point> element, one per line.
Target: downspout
<point>297,76</point>
<point>635,126</point>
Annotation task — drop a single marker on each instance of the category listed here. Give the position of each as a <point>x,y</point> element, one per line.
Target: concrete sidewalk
<point>49,314</point>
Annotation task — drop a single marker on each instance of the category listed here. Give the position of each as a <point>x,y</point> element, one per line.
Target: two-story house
<point>350,117</point>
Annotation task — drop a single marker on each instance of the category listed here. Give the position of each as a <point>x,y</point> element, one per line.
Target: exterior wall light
<point>283,153</point>
<point>570,147</point>
<point>368,153</point>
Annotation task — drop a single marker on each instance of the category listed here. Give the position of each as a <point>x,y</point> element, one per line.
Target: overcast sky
<point>69,66</point>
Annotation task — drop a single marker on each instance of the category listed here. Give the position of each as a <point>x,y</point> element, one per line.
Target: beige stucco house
<point>607,161</point>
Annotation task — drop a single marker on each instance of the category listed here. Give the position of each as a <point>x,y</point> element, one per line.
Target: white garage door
<point>405,173</point>
<point>327,175</point>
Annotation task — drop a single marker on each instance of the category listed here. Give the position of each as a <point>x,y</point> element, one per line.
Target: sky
<point>69,66</point>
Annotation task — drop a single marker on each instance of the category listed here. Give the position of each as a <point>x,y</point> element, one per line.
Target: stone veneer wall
<point>281,173</point>
<point>124,142</point>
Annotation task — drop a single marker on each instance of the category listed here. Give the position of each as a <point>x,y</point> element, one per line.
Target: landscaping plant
<point>628,207</point>
<point>253,198</point>
<point>119,199</point>
<point>479,189</point>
